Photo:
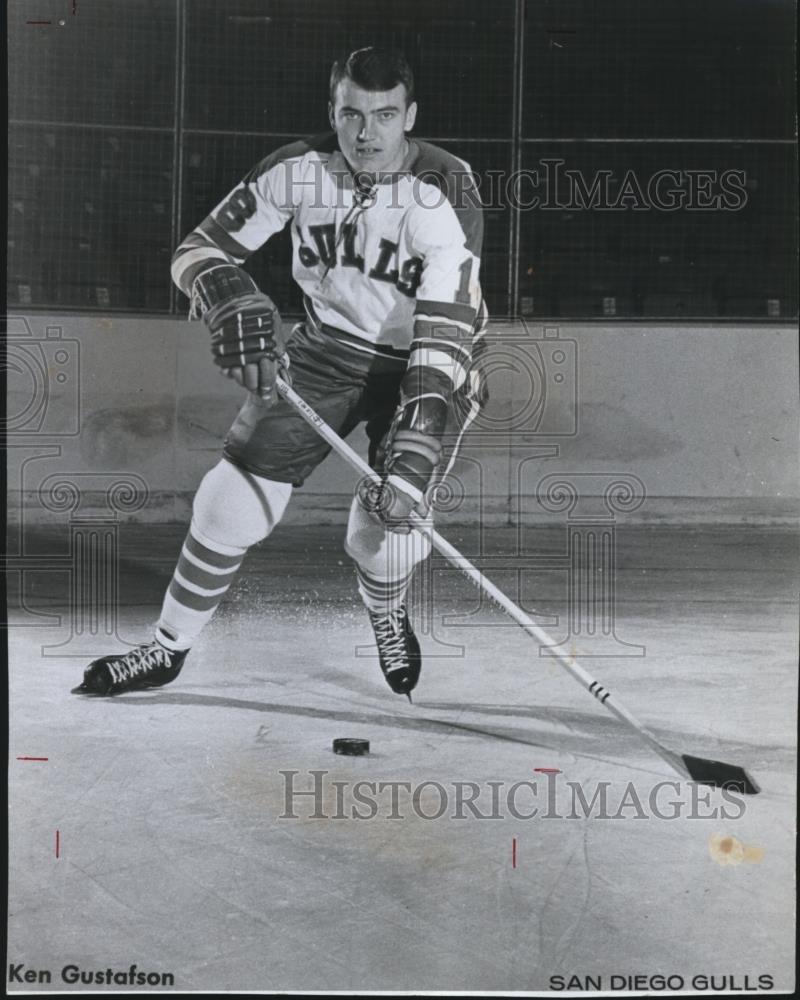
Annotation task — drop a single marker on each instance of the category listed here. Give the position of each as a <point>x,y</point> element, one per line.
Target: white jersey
<point>392,270</point>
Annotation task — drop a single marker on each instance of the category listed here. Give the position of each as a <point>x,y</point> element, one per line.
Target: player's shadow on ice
<point>584,733</point>
<point>606,728</point>
<point>598,734</point>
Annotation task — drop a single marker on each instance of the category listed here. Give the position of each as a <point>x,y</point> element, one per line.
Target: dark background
<point>131,120</point>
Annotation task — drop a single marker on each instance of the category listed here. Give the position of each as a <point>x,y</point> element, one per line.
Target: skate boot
<point>145,666</point>
<point>398,649</point>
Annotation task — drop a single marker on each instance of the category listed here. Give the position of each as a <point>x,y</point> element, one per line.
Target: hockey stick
<point>700,769</point>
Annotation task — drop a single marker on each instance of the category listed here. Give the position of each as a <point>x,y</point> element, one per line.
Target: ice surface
<point>173,855</point>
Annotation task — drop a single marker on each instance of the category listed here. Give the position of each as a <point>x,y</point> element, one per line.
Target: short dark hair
<point>373,69</point>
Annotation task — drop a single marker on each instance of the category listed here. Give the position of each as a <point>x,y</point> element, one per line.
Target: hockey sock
<point>230,504</point>
<point>201,579</point>
<point>381,596</point>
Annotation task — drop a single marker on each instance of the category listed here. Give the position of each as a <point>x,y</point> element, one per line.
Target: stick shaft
<point>451,553</point>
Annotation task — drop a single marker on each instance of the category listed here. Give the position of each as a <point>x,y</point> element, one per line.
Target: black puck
<point>351,748</point>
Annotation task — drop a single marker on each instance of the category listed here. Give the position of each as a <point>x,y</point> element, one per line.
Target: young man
<point>387,235</point>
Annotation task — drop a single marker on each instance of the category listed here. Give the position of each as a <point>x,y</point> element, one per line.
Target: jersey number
<point>237,210</point>
<point>462,292</point>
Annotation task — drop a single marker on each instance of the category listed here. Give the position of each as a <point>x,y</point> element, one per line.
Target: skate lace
<point>139,660</point>
<point>389,631</point>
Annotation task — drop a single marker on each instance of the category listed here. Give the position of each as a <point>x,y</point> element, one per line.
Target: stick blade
<point>719,774</point>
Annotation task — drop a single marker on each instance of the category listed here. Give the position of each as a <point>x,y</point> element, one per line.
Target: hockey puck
<point>351,748</point>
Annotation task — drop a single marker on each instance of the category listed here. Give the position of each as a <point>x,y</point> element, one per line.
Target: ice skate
<point>398,649</point>
<point>145,666</point>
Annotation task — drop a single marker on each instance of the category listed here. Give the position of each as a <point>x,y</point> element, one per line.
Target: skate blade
<point>89,692</point>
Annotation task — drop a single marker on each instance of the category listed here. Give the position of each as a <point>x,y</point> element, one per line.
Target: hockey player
<point>387,234</point>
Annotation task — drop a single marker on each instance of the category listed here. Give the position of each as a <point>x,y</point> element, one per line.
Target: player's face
<point>371,125</point>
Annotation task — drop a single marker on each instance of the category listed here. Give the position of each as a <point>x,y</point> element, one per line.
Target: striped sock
<point>382,595</point>
<point>201,579</point>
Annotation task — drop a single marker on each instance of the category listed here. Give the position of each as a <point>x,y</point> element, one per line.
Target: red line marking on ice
<point>547,770</point>
<point>33,758</point>
<point>38,22</point>
<point>514,852</point>
<point>58,842</point>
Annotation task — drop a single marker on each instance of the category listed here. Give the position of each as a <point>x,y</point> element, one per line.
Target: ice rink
<point>156,831</point>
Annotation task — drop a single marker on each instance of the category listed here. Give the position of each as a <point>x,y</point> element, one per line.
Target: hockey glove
<point>412,460</point>
<point>413,451</point>
<point>247,340</point>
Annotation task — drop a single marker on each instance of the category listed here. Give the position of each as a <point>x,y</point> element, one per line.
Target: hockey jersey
<point>390,268</point>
